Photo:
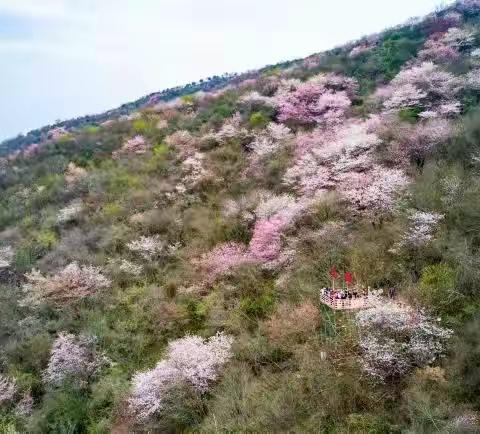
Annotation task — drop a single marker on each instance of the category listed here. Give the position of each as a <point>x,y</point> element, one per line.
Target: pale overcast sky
<point>64,58</point>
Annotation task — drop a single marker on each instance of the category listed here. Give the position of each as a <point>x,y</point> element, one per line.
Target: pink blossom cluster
<point>473,79</point>
<point>223,258</point>
<point>266,242</point>
<point>460,38</point>
<point>136,145</point>
<point>323,99</point>
<point>276,214</point>
<point>56,133</point>
<point>313,61</point>
<point>191,360</point>
<point>322,156</point>
<point>72,283</point>
<point>409,142</point>
<point>32,150</point>
<point>396,339</point>
<point>72,357</point>
<point>375,192</point>
<point>423,85</point>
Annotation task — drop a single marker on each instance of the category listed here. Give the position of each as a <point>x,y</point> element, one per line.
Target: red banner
<point>348,277</point>
<point>334,273</point>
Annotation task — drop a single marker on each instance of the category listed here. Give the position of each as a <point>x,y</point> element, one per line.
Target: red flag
<point>334,273</point>
<point>348,277</point>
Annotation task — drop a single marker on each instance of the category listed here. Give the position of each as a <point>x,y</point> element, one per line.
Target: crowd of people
<point>353,293</point>
<point>343,294</point>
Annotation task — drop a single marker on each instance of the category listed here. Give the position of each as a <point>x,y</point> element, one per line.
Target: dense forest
<point>187,262</point>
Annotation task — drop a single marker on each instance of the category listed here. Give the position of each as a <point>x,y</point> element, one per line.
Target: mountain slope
<point>169,270</point>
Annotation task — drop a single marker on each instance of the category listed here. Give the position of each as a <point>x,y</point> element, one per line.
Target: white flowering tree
<point>71,212</point>
<point>395,339</point>
<point>421,229</point>
<point>6,256</point>
<point>8,388</point>
<point>148,248</point>
<point>72,358</point>
<point>190,360</point>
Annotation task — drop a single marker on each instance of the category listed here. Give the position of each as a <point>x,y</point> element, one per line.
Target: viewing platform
<point>360,302</point>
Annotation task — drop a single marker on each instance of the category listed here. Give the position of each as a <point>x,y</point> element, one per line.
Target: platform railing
<point>360,302</point>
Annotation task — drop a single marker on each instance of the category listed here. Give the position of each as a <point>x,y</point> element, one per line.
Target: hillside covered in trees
<point>165,266</point>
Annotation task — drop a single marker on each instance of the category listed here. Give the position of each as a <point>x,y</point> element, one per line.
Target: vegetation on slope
<point>161,272</point>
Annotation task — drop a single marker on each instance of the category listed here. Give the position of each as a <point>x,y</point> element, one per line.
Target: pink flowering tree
<point>222,259</point>
<point>323,99</point>
<point>191,361</point>
<point>266,242</point>
<point>71,284</point>
<point>425,86</point>
<point>436,50</point>
<point>194,170</point>
<point>135,146</point>
<point>322,156</point>
<point>32,150</point>
<point>374,193</point>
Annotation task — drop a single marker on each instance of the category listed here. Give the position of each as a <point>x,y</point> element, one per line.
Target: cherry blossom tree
<point>148,248</point>
<point>322,157</point>
<point>460,38</point>
<point>8,389</point>
<point>266,242</point>
<point>274,138</point>
<point>135,146</point>
<point>191,360</point>
<point>223,258</point>
<point>421,229</point>
<point>423,85</point>
<point>32,150</point>
<point>6,256</point>
<point>323,99</point>
<point>72,357</point>
<point>71,284</point>
<point>374,193</point>
<point>231,129</point>
<point>436,50</point>
<point>194,171</point>
<point>395,339</point>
